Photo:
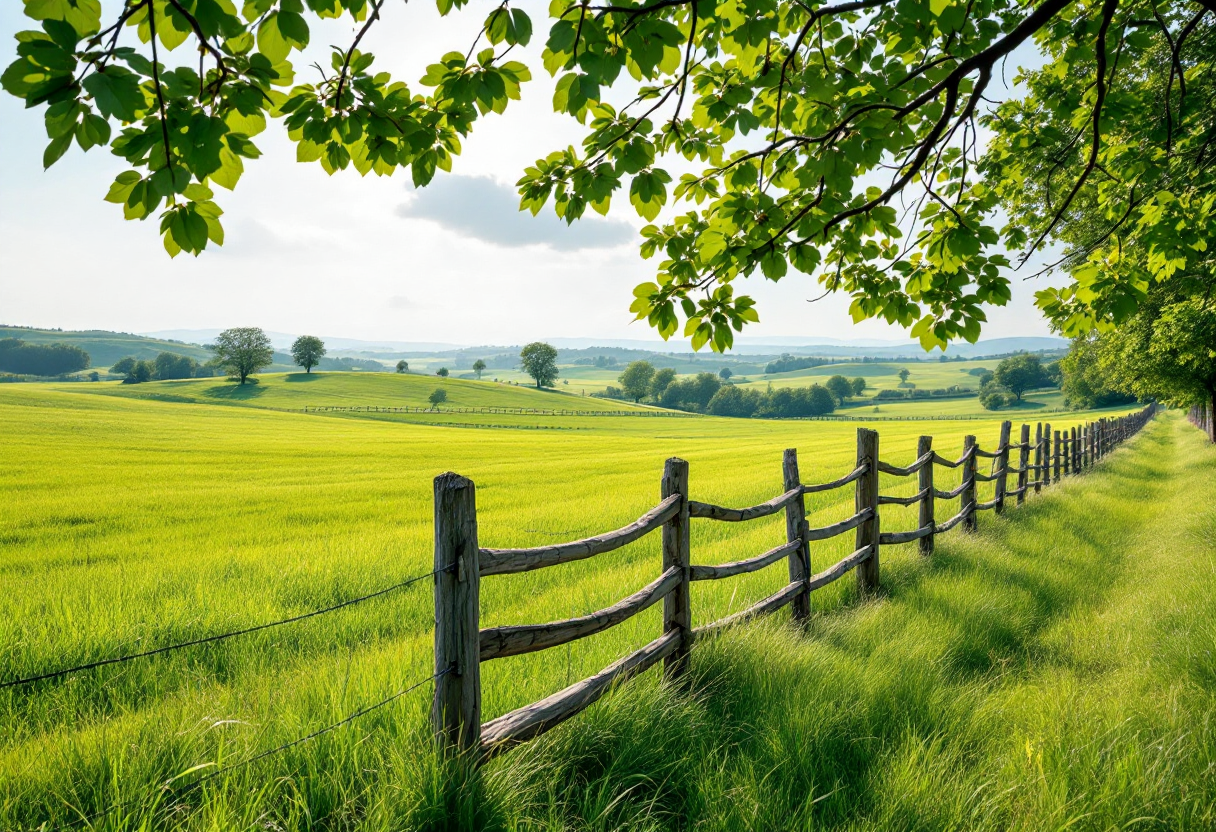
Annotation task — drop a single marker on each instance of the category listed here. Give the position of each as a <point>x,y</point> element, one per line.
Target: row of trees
<point>16,356</point>
<point>167,365</point>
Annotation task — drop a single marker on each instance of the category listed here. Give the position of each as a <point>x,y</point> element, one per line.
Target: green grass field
<point>1002,685</point>
<point>295,391</point>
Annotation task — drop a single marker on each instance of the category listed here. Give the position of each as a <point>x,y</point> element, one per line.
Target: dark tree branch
<point>1108,13</point>
<point>371,18</point>
<point>160,93</point>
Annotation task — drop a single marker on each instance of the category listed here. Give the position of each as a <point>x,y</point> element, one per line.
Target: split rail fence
<point>461,646</point>
<point>525,411</point>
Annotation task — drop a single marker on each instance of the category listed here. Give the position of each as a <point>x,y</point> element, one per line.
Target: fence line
<point>524,411</point>
<point>460,564</point>
<point>1203,416</point>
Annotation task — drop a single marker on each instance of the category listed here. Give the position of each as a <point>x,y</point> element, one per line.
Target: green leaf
<point>56,149</point>
<point>116,93</point>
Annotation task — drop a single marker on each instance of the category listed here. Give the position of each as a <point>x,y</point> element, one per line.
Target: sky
<point>365,257</point>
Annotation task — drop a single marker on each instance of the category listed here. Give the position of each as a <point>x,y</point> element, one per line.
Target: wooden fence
<point>1203,417</point>
<point>460,564</point>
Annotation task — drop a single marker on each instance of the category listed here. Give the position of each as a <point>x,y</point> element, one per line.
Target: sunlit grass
<point>128,524</point>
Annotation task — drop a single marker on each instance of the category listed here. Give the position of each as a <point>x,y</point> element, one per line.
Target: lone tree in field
<point>636,378</point>
<point>859,385</point>
<point>851,110</point>
<point>725,373</point>
<point>442,372</point>
<point>243,351</point>
<point>539,360</point>
<point>903,375</point>
<point>1019,373</point>
<point>479,367</point>
<point>437,397</point>
<point>307,351</point>
<point>403,366</point>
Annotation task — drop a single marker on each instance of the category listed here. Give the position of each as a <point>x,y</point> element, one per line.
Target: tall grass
<point>129,524</point>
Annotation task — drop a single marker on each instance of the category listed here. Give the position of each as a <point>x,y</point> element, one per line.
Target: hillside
<point>299,390</point>
<point>106,348</point>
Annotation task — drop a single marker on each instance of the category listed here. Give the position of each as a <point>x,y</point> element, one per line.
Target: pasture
<point>160,512</point>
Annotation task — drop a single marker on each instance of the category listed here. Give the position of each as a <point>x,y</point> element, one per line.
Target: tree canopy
<point>636,379</point>
<point>1019,373</point>
<point>307,351</point>
<point>479,367</point>
<point>243,351</point>
<point>839,139</point>
<point>539,360</point>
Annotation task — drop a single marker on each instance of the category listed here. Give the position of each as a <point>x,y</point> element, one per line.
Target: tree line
<point>21,358</point>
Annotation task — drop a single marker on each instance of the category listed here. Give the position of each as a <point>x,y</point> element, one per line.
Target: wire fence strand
<point>219,637</point>
<point>270,752</point>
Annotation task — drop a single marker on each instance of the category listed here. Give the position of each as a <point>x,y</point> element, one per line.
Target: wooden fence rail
<point>460,564</point>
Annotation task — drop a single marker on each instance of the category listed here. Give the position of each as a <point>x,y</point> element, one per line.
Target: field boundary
<point>510,411</point>
<point>460,564</point>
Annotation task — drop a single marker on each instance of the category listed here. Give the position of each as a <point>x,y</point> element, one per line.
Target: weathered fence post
<point>1076,452</point>
<point>924,481</point>
<point>967,495</point>
<point>456,709</point>
<point>1047,479</point>
<point>1038,457</point>
<point>1023,462</point>
<point>1002,460</point>
<point>867,498</point>
<point>677,609</point>
<point>1067,453</point>
<point>1056,459</point>
<point>795,529</point>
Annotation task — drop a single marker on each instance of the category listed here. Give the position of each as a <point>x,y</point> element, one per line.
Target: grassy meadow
<point>1055,669</point>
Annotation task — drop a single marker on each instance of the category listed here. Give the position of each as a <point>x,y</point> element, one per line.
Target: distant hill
<point>755,348</point>
<point>106,348</point>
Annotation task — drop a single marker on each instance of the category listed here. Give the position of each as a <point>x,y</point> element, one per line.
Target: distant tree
<point>819,400</point>
<point>479,367</point>
<point>540,362</point>
<point>124,366</point>
<point>307,351</point>
<point>636,378</point>
<point>16,356</point>
<point>839,387</point>
<point>725,373</point>
<point>94,376</point>
<point>738,402</point>
<point>994,399</point>
<point>437,397</point>
<point>134,370</point>
<point>1020,373</point>
<point>403,366</point>
<point>691,393</point>
<point>658,384</point>
<point>442,372</point>
<point>859,386</point>
<point>903,375</point>
<point>171,365</point>
<point>243,351</point>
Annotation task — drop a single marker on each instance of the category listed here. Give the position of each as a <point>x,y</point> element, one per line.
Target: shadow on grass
<point>296,377</point>
<point>235,391</point>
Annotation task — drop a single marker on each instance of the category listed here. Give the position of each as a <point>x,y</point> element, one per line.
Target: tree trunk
<point>1212,414</point>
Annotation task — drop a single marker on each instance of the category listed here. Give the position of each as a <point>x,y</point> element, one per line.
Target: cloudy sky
<point>361,257</point>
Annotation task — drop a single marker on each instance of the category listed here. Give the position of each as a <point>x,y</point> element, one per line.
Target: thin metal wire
<point>210,639</point>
